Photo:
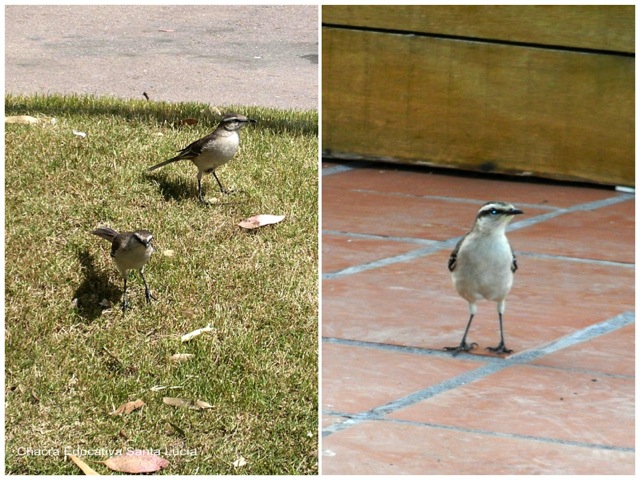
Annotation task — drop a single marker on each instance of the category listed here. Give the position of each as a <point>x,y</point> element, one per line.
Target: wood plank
<point>600,27</point>
<point>478,106</point>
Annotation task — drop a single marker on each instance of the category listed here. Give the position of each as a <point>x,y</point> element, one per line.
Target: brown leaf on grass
<point>86,469</point>
<point>22,119</point>
<point>105,303</point>
<point>186,403</point>
<point>136,461</point>
<point>240,462</point>
<point>175,428</point>
<point>260,221</point>
<point>181,357</point>
<point>128,407</point>
<point>188,121</point>
<point>188,336</point>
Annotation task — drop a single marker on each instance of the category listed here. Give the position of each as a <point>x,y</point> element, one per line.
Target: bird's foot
<point>463,347</point>
<point>125,305</point>
<point>148,295</point>
<point>499,349</point>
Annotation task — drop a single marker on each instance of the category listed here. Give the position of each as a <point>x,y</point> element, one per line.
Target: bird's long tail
<point>166,162</point>
<point>105,232</point>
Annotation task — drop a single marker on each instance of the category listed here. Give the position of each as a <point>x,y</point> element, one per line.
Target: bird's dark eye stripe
<point>491,211</point>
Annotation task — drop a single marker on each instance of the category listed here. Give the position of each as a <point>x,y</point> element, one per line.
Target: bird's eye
<point>493,211</point>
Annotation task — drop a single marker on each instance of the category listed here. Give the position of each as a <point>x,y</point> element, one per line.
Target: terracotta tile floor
<point>394,403</point>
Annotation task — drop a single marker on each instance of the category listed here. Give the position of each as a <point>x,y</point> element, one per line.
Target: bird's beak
<point>515,212</point>
<point>251,120</point>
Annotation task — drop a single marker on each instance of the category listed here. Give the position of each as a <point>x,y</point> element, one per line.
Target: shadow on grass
<point>187,190</point>
<point>164,113</point>
<point>178,190</point>
<point>93,288</point>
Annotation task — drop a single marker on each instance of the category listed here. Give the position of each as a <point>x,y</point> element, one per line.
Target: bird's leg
<point>222,189</point>
<point>200,197</point>
<point>147,291</point>
<point>124,297</point>
<point>464,346</point>
<point>501,348</point>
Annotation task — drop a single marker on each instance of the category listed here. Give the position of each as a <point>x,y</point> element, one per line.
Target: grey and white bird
<point>130,251</point>
<point>214,150</point>
<point>482,266</point>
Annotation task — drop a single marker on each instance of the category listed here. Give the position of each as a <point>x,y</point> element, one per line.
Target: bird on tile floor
<point>214,150</point>
<point>130,251</point>
<point>482,266</point>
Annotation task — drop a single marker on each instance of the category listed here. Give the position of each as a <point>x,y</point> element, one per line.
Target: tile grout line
<point>438,353</point>
<point>518,436</point>
<point>420,241</point>
<point>373,236</point>
<point>525,357</point>
<point>511,435</point>
<point>451,242</point>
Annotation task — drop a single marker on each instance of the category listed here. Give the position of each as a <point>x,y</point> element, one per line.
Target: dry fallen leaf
<point>168,253</point>
<point>106,303</point>
<point>128,407</point>
<point>176,429</point>
<point>79,133</point>
<point>188,121</point>
<point>23,119</point>
<point>86,469</point>
<point>188,336</point>
<point>181,357</point>
<point>240,462</point>
<point>136,461</point>
<point>203,405</point>
<point>186,403</point>
<point>260,220</point>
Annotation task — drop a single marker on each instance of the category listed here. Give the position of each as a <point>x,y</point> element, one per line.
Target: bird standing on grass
<point>214,150</point>
<point>130,251</point>
<point>482,266</point>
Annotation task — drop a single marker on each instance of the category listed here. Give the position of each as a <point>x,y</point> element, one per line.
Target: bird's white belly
<point>212,159</point>
<point>486,276</point>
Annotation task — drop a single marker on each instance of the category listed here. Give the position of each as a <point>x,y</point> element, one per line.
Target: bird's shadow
<point>185,190</point>
<point>170,189</point>
<point>94,288</point>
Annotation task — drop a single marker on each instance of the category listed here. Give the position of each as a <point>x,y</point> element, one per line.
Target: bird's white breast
<point>484,271</point>
<point>225,148</point>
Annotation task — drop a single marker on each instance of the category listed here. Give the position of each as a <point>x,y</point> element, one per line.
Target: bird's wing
<point>105,232</point>
<point>454,255</point>
<point>189,152</point>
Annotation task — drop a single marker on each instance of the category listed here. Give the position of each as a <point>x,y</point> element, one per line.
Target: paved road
<point>222,55</point>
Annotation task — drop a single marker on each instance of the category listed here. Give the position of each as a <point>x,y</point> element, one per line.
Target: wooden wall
<point>539,90</point>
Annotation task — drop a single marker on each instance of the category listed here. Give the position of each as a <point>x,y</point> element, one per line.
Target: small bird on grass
<point>130,251</point>
<point>216,149</point>
<point>482,266</point>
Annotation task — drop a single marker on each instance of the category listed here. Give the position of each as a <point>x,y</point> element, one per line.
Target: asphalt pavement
<point>221,55</point>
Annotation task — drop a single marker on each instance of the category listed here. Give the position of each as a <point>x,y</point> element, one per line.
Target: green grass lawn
<point>70,363</point>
